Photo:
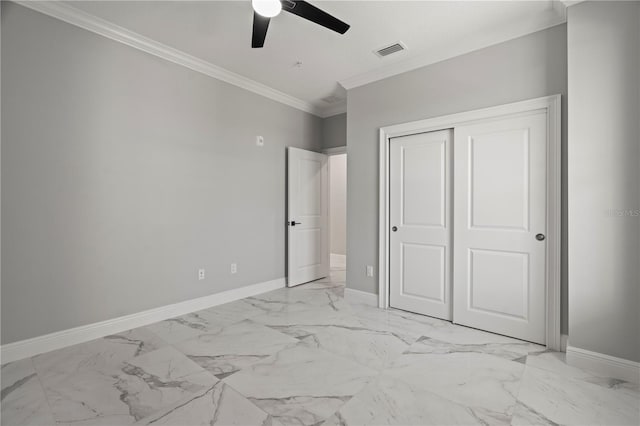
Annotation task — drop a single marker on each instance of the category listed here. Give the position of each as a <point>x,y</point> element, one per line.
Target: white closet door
<point>420,272</point>
<point>308,216</point>
<point>500,225</point>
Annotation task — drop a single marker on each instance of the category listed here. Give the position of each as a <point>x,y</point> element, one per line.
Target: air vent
<point>332,99</point>
<point>391,49</point>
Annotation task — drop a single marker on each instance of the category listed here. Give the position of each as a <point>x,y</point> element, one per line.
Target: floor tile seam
<point>190,398</point>
<point>42,389</point>
<point>322,351</point>
<point>246,398</point>
<point>515,394</point>
<point>552,371</point>
<point>114,370</point>
<point>361,364</point>
<point>578,381</point>
<point>385,375</point>
<point>147,328</point>
<point>266,356</point>
<point>491,356</point>
<point>301,344</point>
<point>378,330</point>
<point>308,328</point>
<point>198,334</point>
<point>271,328</point>
<point>377,323</point>
<point>376,371</point>
<point>325,418</point>
<point>181,402</point>
<point>184,376</point>
<point>463,352</point>
<point>175,378</point>
<point>519,389</point>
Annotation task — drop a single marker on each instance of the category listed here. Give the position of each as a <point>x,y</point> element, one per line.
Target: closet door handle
<point>540,237</point>
<point>394,229</point>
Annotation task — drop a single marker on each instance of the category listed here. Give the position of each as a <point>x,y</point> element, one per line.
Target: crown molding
<point>79,18</point>
<point>335,109</point>
<point>557,17</point>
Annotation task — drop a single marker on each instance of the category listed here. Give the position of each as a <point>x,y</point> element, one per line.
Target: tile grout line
<point>44,391</point>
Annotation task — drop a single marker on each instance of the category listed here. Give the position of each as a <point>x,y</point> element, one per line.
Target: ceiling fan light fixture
<point>267,8</point>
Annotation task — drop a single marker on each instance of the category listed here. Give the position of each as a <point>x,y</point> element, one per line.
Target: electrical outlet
<point>200,274</point>
<point>369,271</point>
<point>234,268</point>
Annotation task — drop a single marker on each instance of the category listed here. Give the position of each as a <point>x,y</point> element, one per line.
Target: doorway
<point>338,211</point>
<point>316,215</point>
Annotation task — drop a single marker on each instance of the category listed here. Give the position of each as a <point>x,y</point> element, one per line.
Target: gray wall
<point>524,68</point>
<point>604,174</point>
<point>122,174</point>
<point>338,203</point>
<point>335,131</point>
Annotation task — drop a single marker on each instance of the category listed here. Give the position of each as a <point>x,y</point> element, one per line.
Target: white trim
<point>383,220</point>
<point>335,151</point>
<point>490,38</point>
<point>337,260</point>
<point>603,364</point>
<point>554,221</point>
<point>564,341</point>
<point>362,297</point>
<point>79,18</point>
<point>334,109</point>
<point>569,3</point>
<point>49,342</point>
<point>552,106</point>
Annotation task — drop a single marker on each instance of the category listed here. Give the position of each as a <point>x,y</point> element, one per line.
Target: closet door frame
<point>551,106</point>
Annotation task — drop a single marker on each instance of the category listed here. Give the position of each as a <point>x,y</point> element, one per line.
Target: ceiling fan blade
<point>310,12</point>
<point>260,27</point>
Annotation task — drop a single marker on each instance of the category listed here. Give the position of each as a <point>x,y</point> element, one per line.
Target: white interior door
<point>420,214</point>
<point>500,225</point>
<point>308,216</point>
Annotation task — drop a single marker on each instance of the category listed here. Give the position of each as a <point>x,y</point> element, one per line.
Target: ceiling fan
<point>264,10</point>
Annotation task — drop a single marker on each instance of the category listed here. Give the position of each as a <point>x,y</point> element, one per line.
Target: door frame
<point>552,107</point>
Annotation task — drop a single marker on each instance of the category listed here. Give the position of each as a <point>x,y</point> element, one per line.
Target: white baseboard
<point>362,297</point>
<point>605,365</point>
<point>337,260</point>
<point>73,336</point>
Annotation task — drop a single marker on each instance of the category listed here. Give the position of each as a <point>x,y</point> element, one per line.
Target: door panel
<point>307,194</point>
<point>423,265</point>
<point>420,210</point>
<point>499,183</point>
<point>500,199</point>
<point>512,283</point>
<point>310,186</point>
<point>423,193</point>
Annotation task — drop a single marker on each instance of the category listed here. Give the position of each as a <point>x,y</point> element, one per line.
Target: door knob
<point>540,237</point>
<point>394,229</point>
<point>294,223</point>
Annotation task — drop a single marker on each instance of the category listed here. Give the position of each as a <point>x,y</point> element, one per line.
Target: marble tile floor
<point>307,356</point>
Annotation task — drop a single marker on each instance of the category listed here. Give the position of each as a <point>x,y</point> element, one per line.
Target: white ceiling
<point>219,32</point>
